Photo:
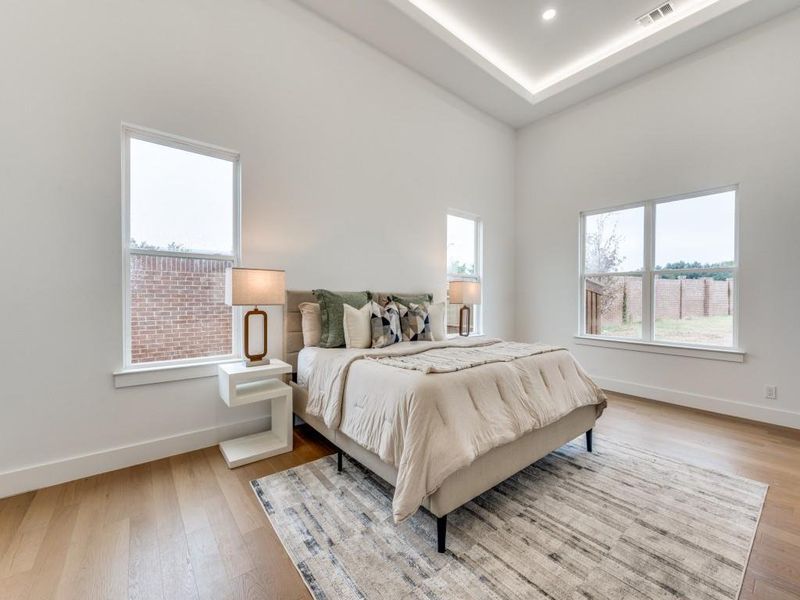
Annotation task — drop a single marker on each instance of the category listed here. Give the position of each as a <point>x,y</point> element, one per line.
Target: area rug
<point>618,524</point>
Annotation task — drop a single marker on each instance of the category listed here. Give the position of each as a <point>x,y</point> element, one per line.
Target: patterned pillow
<point>385,322</point>
<point>415,322</point>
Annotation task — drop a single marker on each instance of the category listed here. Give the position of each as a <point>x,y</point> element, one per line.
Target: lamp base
<point>259,356</point>
<point>464,318</point>
<point>255,363</point>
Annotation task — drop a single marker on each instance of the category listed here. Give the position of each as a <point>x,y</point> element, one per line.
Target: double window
<point>663,271</point>
<point>180,233</point>
<point>464,251</point>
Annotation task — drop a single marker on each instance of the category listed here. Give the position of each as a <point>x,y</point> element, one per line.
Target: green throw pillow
<point>331,310</point>
<point>415,299</point>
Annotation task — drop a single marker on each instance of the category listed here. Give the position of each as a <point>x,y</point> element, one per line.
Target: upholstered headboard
<point>293,329</point>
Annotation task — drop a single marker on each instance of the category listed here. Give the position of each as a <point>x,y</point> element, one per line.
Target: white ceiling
<point>503,58</point>
<point>513,33</point>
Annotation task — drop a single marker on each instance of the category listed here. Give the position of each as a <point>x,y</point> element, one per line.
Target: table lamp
<point>255,287</point>
<point>466,293</point>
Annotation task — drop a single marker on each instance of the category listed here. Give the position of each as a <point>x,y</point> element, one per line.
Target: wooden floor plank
<point>247,514</point>
<point>766,587</point>
<point>231,544</point>
<point>187,527</point>
<point>191,492</point>
<point>144,571</point>
<point>12,512</point>
<point>76,579</point>
<point>212,581</point>
<point>50,562</point>
<point>21,553</point>
<point>177,576</point>
<point>250,586</point>
<point>275,570</point>
<point>16,587</point>
<point>110,566</point>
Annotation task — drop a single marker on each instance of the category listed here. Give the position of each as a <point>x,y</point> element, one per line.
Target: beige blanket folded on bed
<point>449,359</point>
<point>430,425</point>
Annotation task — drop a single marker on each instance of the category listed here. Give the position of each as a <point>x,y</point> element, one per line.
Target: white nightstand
<point>242,385</point>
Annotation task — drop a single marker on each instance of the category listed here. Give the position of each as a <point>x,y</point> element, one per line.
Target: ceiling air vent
<point>656,14</point>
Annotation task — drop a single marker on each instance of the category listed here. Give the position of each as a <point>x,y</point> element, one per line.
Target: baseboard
<point>68,469</point>
<point>722,406</point>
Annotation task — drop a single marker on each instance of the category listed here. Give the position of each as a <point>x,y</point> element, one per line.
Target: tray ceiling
<point>504,58</point>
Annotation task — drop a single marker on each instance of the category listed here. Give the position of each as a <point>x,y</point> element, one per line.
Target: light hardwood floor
<point>187,527</point>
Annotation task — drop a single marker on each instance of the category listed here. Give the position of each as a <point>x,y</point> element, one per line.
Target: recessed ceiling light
<point>549,14</point>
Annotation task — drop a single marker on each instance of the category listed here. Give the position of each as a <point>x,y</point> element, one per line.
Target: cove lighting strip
<point>450,22</point>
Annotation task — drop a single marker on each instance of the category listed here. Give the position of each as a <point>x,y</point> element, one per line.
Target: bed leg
<point>589,440</point>
<point>339,460</point>
<point>441,532</point>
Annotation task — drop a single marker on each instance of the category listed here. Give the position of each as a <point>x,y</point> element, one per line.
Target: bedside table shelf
<point>255,391</point>
<point>239,385</point>
<point>251,448</point>
<point>242,385</point>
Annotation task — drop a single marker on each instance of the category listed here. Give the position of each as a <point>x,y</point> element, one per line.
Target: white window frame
<point>478,276</point>
<point>187,368</point>
<point>648,274</point>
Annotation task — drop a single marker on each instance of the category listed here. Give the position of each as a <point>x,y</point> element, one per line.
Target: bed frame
<point>484,473</point>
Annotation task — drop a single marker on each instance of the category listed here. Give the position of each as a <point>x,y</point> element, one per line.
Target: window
<point>180,233</point>
<point>464,251</point>
<point>662,271</point>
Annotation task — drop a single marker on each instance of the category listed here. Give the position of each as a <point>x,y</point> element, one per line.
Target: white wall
<point>349,164</point>
<point>730,114</point>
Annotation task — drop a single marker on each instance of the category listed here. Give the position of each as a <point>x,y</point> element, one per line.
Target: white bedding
<point>305,363</point>
<point>430,425</point>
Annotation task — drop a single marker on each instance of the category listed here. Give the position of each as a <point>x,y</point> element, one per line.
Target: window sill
<point>723,354</point>
<point>164,373</point>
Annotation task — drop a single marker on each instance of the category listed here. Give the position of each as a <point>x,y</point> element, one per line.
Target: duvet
<point>431,408</point>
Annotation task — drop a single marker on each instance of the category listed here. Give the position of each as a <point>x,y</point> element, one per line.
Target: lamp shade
<point>254,287</point>
<point>465,292</point>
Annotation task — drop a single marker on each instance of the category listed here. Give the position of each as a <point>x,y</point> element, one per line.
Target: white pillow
<point>357,328</point>
<point>437,313</point>
<point>311,323</point>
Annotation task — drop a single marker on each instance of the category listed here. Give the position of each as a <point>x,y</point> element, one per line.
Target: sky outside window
<point>180,200</point>
<point>615,241</point>
<point>461,245</point>
<point>696,230</point>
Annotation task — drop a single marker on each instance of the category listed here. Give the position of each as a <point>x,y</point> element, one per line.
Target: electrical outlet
<point>771,392</point>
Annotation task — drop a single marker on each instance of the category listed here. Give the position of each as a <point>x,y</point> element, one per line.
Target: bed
<point>373,422</point>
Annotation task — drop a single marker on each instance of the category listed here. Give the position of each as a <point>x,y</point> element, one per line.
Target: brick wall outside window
<point>178,309</point>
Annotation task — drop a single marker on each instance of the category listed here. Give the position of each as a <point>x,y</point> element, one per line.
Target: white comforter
<point>430,425</point>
